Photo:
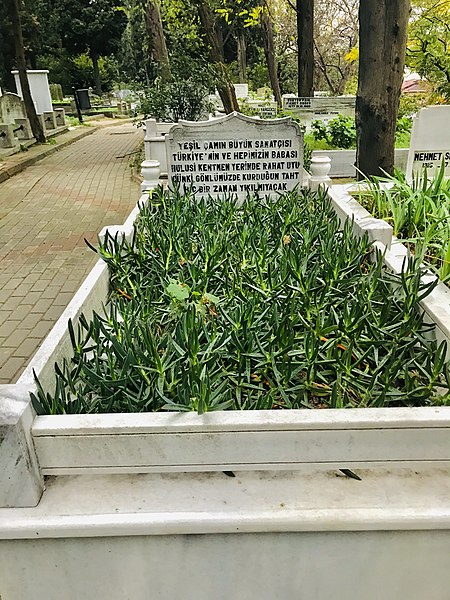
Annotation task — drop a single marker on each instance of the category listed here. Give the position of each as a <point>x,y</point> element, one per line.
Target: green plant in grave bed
<point>277,308</point>
<point>419,213</point>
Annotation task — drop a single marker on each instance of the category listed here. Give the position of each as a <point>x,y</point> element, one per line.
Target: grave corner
<point>21,484</point>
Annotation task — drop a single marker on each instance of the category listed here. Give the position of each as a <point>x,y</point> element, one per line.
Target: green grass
<point>264,305</point>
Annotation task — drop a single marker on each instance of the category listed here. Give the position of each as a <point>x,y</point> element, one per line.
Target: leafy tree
<point>382,33</point>
<point>210,25</point>
<point>31,36</point>
<point>240,16</point>
<point>93,26</point>
<point>156,37</point>
<point>183,30</point>
<point>133,53</point>
<point>428,50</point>
<point>7,53</point>
<point>335,44</point>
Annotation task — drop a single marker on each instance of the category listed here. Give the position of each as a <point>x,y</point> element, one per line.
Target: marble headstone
<point>235,155</point>
<point>430,142</point>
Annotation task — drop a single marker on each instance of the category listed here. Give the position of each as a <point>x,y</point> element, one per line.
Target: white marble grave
<point>235,154</point>
<point>430,142</point>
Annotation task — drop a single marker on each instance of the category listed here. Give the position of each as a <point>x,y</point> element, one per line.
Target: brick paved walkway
<point>45,212</point>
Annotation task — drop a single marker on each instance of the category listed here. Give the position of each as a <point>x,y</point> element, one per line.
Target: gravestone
<point>11,108</point>
<point>430,142</point>
<point>241,90</point>
<point>264,92</point>
<point>292,102</point>
<point>235,155</point>
<point>267,111</point>
<point>39,88</point>
<point>322,108</point>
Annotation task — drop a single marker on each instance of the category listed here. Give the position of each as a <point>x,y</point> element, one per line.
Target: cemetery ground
<point>46,211</point>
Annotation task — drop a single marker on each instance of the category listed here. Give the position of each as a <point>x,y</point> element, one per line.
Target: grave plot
<point>297,294</point>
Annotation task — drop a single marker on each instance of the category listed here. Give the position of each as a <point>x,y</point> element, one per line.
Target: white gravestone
<point>39,88</point>
<point>241,90</point>
<point>235,155</point>
<point>430,142</point>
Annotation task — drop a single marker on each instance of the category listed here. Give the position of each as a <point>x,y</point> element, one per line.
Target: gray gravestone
<point>11,108</point>
<point>236,155</point>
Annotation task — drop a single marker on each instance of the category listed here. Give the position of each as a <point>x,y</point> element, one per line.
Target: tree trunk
<point>382,46</point>
<point>157,40</point>
<point>35,123</point>
<point>242,57</point>
<point>214,39</point>
<point>305,43</point>
<point>97,81</point>
<point>269,51</point>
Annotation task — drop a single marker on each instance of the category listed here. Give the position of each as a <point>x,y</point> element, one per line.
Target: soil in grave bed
<point>267,304</point>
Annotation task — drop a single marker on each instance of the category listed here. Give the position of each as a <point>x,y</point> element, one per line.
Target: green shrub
<point>419,213</point>
<point>339,132</point>
<point>180,97</point>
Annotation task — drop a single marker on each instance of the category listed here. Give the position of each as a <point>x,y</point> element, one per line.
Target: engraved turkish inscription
<point>235,155</point>
<point>432,161</point>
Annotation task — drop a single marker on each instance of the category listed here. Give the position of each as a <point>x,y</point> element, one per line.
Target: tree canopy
<point>428,50</point>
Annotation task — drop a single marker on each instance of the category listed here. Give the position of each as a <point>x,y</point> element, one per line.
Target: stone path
<point>45,212</point>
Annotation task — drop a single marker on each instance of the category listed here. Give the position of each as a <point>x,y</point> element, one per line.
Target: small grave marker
<point>235,154</point>
<point>430,142</point>
<point>11,108</point>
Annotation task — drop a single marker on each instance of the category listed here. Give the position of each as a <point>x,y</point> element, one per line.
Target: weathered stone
<point>22,129</point>
<point>11,108</point>
<point>49,120</point>
<point>60,117</point>
<point>7,139</point>
<point>20,481</point>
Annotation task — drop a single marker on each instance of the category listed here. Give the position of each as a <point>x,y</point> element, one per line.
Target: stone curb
<point>9,172</point>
